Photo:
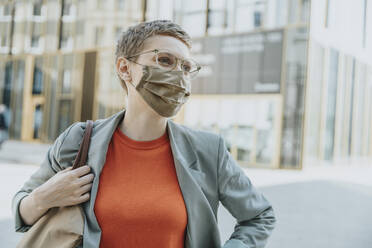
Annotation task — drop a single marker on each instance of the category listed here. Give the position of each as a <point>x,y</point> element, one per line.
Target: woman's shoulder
<point>68,142</point>
<point>73,134</point>
<point>199,134</point>
<point>202,140</point>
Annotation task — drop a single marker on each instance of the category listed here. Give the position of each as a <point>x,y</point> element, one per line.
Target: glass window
<point>296,60</point>
<point>67,73</point>
<point>313,108</point>
<point>16,123</point>
<point>244,140</point>
<point>194,5</point>
<point>65,113</point>
<point>118,31</point>
<point>36,34</point>
<point>281,13</point>
<point>305,10</point>
<point>345,84</point>
<point>249,15</point>
<point>248,125</point>
<point>67,40</point>
<point>99,36</point>
<point>217,16</point>
<point>192,16</point>
<point>216,21</point>
<point>6,9</point>
<point>293,11</point>
<point>359,121</point>
<point>160,9</point>
<point>66,81</point>
<point>243,22</point>
<point>369,111</point>
<point>331,13</point>
<point>67,6</point>
<point>331,106</point>
<point>80,27</point>
<point>241,63</point>
<point>257,19</point>
<point>7,91</point>
<point>364,23</point>
<point>37,8</point>
<point>194,24</point>
<point>51,97</point>
<point>37,87</point>
<point>3,34</point>
<point>38,119</point>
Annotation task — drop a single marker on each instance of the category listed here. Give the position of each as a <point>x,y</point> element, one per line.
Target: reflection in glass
<point>16,121</point>
<point>67,73</point>
<point>37,8</point>
<point>245,142</point>
<point>246,124</point>
<point>64,115</point>
<point>67,4</point>
<point>7,90</point>
<point>37,87</point>
<point>296,60</point>
<point>38,119</point>
<point>36,34</point>
<point>66,81</point>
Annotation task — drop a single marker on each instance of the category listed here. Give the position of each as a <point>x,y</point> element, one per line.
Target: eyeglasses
<point>166,61</point>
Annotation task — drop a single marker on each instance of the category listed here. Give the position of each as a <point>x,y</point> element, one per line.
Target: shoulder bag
<point>61,226</point>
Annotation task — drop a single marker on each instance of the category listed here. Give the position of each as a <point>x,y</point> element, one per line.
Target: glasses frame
<point>179,61</point>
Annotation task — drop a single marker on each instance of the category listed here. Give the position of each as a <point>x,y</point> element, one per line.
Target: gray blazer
<point>206,172</point>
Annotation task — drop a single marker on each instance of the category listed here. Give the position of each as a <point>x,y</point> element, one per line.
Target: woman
<point>149,182</point>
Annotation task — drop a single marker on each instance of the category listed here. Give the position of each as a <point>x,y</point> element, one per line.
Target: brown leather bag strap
<point>82,154</point>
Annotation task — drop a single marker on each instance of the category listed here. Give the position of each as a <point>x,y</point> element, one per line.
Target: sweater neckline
<point>141,144</point>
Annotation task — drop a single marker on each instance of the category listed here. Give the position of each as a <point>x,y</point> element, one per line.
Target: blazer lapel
<point>200,215</point>
<point>202,224</point>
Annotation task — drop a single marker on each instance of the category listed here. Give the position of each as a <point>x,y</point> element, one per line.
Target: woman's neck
<point>141,125</point>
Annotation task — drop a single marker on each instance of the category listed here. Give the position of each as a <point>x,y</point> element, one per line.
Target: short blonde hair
<point>131,41</point>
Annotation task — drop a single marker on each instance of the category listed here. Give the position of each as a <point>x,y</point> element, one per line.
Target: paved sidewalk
<point>18,152</point>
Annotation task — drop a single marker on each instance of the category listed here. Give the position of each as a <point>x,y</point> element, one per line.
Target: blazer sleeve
<point>253,212</point>
<point>48,168</point>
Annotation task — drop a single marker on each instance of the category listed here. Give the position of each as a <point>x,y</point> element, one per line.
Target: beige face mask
<point>165,92</point>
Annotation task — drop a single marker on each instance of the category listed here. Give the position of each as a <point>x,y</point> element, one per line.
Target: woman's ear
<point>123,70</point>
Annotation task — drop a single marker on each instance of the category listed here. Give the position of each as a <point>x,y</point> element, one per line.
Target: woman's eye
<point>186,68</point>
<point>165,61</point>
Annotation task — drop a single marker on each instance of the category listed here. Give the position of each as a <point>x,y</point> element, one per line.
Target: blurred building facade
<point>339,84</point>
<point>57,67</point>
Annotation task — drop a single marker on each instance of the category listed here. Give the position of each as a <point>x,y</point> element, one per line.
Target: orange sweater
<point>139,202</point>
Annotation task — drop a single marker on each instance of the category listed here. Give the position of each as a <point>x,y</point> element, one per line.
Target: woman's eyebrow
<point>174,53</point>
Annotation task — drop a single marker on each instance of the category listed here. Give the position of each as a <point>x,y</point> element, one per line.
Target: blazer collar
<point>179,140</point>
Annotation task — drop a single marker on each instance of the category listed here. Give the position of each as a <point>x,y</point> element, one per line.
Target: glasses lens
<point>166,60</point>
<point>190,67</point>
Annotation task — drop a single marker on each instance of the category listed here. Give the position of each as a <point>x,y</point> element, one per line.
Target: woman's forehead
<point>169,43</point>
